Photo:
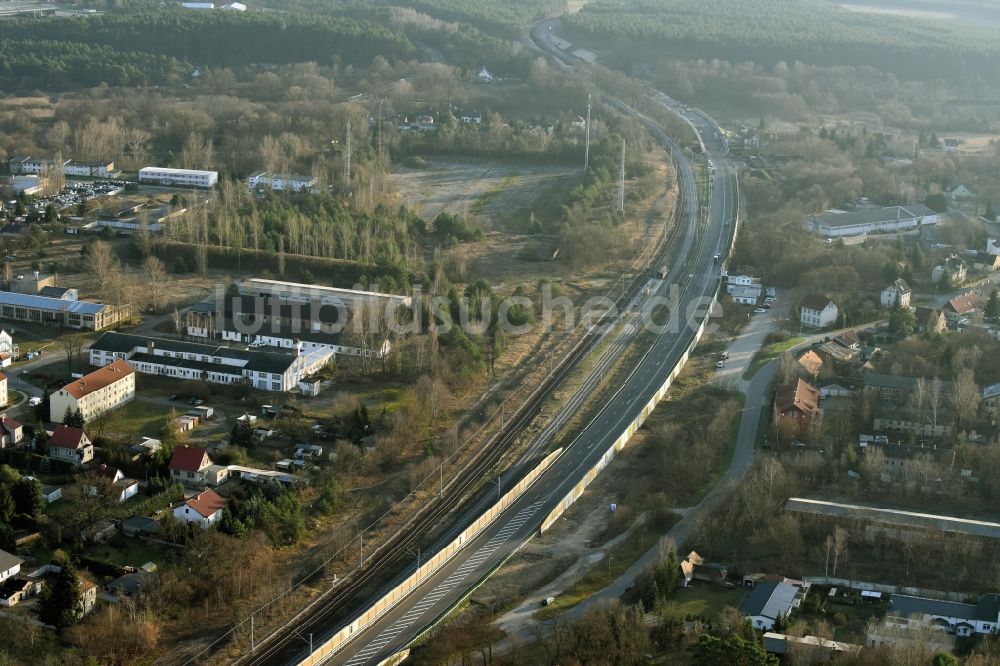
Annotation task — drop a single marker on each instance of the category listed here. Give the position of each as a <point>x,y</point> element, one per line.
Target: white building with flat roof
<point>281,182</point>
<point>869,220</point>
<point>178,177</point>
<point>307,293</point>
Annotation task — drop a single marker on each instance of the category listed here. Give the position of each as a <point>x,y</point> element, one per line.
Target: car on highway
<point>720,364</point>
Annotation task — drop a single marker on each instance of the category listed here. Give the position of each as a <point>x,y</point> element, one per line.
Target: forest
<point>145,47</point>
<point>770,31</point>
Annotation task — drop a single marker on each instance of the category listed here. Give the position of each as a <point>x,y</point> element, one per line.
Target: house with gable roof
<point>768,604</point>
<point>71,444</point>
<point>192,466</point>
<point>818,311</point>
<point>206,508</point>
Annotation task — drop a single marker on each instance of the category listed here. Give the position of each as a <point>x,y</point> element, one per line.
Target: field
<point>488,190</point>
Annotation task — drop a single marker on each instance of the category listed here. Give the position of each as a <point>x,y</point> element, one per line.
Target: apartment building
<point>96,393</point>
<point>178,177</point>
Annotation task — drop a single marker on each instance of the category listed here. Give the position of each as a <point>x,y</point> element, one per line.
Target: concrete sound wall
<point>623,438</point>
<point>398,593</point>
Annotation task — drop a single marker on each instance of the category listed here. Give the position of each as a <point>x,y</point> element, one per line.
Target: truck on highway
<point>662,272</point>
<point>717,257</point>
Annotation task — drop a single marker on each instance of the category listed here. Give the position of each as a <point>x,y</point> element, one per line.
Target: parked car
<point>720,364</point>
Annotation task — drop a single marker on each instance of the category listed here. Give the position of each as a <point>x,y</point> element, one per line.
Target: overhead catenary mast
<point>621,181</point>
<point>347,157</point>
<point>586,149</point>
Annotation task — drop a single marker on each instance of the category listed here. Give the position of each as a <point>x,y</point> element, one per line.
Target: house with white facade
<point>11,430</point>
<point>191,465</point>
<point>744,295</point>
<point>953,617</point>
<point>897,294</point>
<point>206,509</point>
<point>3,390</point>
<point>178,177</point>
<point>120,487</point>
<point>71,444</point>
<point>267,371</point>
<point>818,311</point>
<point>10,565</point>
<point>8,351</point>
<point>101,169</point>
<point>96,393</point>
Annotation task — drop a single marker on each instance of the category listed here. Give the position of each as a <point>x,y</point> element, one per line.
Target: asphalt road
<point>698,278</point>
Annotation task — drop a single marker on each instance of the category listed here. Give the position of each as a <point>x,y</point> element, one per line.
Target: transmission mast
<point>586,149</point>
<point>347,157</point>
<point>621,181</point>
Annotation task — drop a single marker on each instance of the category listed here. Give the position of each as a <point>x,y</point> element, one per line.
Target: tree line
<point>770,31</point>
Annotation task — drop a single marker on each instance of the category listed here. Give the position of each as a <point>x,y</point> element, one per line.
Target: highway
<point>697,274</point>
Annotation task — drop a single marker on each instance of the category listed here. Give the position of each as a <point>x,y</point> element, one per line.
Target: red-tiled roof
<point>99,379</point>
<point>67,437</point>
<point>188,459</point>
<point>206,503</point>
<point>3,377</point>
<point>800,396</point>
<point>964,303</point>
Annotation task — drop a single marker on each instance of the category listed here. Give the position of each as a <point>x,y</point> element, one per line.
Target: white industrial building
<point>281,182</point>
<point>220,365</point>
<point>870,220</point>
<point>312,293</point>
<point>178,177</point>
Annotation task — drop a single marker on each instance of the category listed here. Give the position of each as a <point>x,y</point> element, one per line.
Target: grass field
<point>769,353</point>
<point>706,600</point>
<point>141,418</point>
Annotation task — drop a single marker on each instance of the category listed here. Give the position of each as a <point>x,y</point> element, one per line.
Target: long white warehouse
<point>869,220</point>
<point>178,177</point>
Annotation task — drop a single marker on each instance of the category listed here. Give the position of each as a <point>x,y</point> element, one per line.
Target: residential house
<point>206,508</point>
<point>191,465</point>
<point>15,590</point>
<point>818,311</point>
<point>694,567</point>
<point>71,444</point>
<point>810,362</point>
<point>10,565</point>
<point>119,486</point>
<point>737,281</point>
<point>991,400</point>
<point>960,193</point>
<point>768,604</point>
<point>128,585</point>
<point>894,390</point>
<point>896,295</point>
<point>11,431</point>
<point>900,421</point>
<point>986,262</point>
<point>100,169</point>
<point>909,462</point>
<point>8,350</point>
<point>3,393</point>
<point>744,295</point>
<point>953,617</point>
<point>796,404</point>
<point>953,267</point>
<point>962,307</point>
<point>931,320</point>
<point>96,393</point>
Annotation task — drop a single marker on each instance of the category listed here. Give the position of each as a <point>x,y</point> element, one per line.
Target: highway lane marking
<point>446,586</point>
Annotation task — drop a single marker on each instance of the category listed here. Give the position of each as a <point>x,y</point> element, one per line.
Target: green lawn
<point>706,600</point>
<point>769,353</point>
<point>140,417</point>
<point>130,552</point>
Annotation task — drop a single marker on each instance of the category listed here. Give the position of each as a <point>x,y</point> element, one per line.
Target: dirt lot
<point>475,188</point>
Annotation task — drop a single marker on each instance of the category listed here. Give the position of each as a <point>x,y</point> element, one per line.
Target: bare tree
<point>137,141</point>
<point>103,264</point>
<point>839,546</point>
<point>156,278</point>
<point>965,397</point>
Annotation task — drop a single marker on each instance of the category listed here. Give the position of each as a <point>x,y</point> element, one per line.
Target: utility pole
<point>621,181</point>
<point>586,149</point>
<point>347,157</point>
<point>251,635</point>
